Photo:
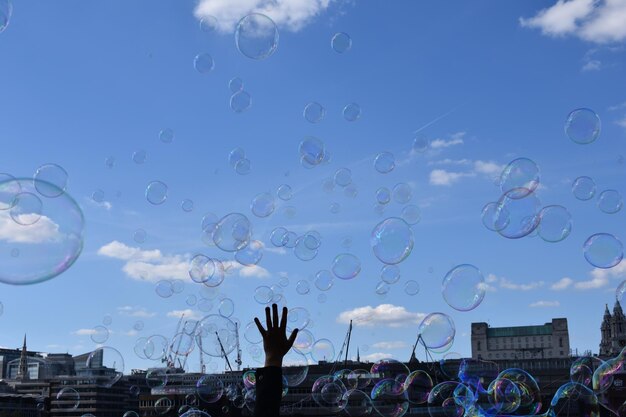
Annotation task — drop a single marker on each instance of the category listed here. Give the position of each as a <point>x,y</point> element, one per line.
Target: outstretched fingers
<point>292,338</point>
<point>268,318</point>
<point>259,326</point>
<point>283,320</point>
<point>275,315</point>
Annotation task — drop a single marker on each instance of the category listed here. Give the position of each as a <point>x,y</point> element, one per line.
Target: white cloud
<point>188,313</point>
<point>443,177</point>
<point>84,332</point>
<point>617,106</point>
<point>390,345</point>
<point>377,356</point>
<point>41,231</point>
<point>622,122</point>
<point>562,284</point>
<point>592,65</point>
<point>505,283</point>
<point>131,333</point>
<point>153,265</point>
<point>545,304</point>
<point>455,139</point>
<point>291,14</point>
<point>491,278</point>
<point>600,21</point>
<point>107,205</point>
<point>488,168</point>
<point>448,161</point>
<point>382,315</point>
<point>135,312</point>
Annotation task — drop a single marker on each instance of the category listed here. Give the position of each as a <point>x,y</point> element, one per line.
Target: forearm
<point>269,382</point>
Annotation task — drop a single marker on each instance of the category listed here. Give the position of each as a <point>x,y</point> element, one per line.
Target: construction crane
<point>346,345</point>
<point>167,357</point>
<point>202,365</point>
<point>238,361</point>
<point>223,351</point>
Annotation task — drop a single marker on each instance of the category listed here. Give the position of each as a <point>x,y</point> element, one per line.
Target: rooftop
<point>545,329</point>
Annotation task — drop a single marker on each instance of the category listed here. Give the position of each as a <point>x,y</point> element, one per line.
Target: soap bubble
<point>603,250</point>
<point>385,162</point>
<point>392,240</point>
<point>166,135</point>
<point>583,126</point>
<point>343,177</point>
<point>100,334</point>
<point>610,201</point>
<point>156,192</point>
<point>284,192</point>
<point>140,235</point>
<point>235,85</point>
<point>420,143</point>
<point>106,357</point>
<point>302,251</point>
<point>383,195</point>
<point>494,218</point>
<point>304,341</point>
<point>6,11</point>
<point>295,368</point>
<point>522,214</point>
<point>263,294</point>
<point>584,188</point>
<point>436,330</point>
<point>312,150</point>
<point>256,36</point>
<point>402,193</point>
<point>67,398</point>
<point>411,214</point>
<point>314,112</point>
<point>519,178</point>
<point>251,254</point>
<point>346,266</point>
<point>575,398</point>
<point>382,288</point>
<point>277,237</point>
<point>341,42</point>
<point>328,392</point>
<point>139,157</point>
<point>352,112</point>
<point>240,101</point>
<point>46,233</point>
<point>203,63</point>
<point>390,274</point>
<point>208,24</point>
<point>235,156</point>
<point>463,287</point>
<point>417,386</point>
<point>411,287</point>
<point>357,403</point>
<point>303,287</point>
<point>262,205</point>
<point>232,232</point>
<point>210,388</point>
<point>555,223</point>
<point>50,179</point>
<point>212,326</point>
<point>226,308</point>
<point>323,350</point>
<point>243,167</point>
<point>335,208</point>
<point>164,288</point>
<point>324,280</point>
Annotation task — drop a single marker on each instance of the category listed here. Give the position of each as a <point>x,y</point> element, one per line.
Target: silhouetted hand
<point>275,342</point>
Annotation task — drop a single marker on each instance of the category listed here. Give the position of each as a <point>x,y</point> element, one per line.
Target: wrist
<point>274,362</point>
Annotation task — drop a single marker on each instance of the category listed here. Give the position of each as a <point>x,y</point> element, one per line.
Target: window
<point>561,343</point>
<point>478,345</point>
<point>561,353</point>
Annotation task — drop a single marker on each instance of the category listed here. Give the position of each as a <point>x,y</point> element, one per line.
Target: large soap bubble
<point>521,215</point>
<point>463,287</point>
<point>43,232</point>
<point>392,240</point>
<point>436,330</point>
<point>6,10</point>
<point>232,232</point>
<point>214,329</point>
<point>603,250</point>
<point>555,223</point>
<point>256,36</point>
<point>519,178</point>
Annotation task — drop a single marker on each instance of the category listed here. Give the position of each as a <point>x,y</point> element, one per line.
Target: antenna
<point>238,360</point>
<point>223,351</point>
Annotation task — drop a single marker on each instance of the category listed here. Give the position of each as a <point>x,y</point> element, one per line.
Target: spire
<point>22,370</point>
<point>358,356</point>
<point>617,310</point>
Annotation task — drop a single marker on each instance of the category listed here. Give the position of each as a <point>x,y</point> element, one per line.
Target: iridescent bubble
<point>436,330</point>
<point>575,398</point>
<point>166,135</point>
<point>233,232</point>
<point>384,162</point>
<point>411,214</point>
<point>139,157</point>
<point>522,214</point>
<point>303,287</point>
<point>140,235</point>
<point>251,254</point>
<point>210,388</point>
<point>243,167</point>
<point>295,368</point>
<point>555,223</point>
<point>494,217</point>
<point>323,350</point>
<point>303,251</point>
<point>304,341</point>
<point>45,234</point>
<point>343,177</point>
<point>164,288</point>
<point>392,240</point>
<point>50,179</point>
<point>417,386</point>
<point>106,357</point>
<point>208,24</point>
<point>6,11</point>
<point>182,344</point>
<point>100,334</point>
<point>383,195</point>
<point>610,201</point>
<point>463,287</point>
<point>312,150</point>
<point>226,307</point>
<point>262,205</point>
<point>352,112</point>
<point>263,294</point>
<point>382,288</point>
<point>390,274</point>
<point>240,101</point>
<point>284,192</point>
<point>519,178</point>
<point>277,237</point>
<point>388,399</point>
<point>212,326</point>
<point>583,126</point>
<point>203,63</point>
<point>314,112</point>
<point>341,42</point>
<point>256,36</point>
<point>312,239</point>
<point>584,188</point>
<point>328,392</point>
<point>235,156</point>
<point>67,398</point>
<point>324,280</point>
<point>346,266</point>
<point>603,250</point>
<point>298,318</point>
<point>156,192</point>
<point>402,193</point>
<point>290,240</point>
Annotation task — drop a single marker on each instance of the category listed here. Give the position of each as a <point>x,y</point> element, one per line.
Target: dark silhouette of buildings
<point>613,330</point>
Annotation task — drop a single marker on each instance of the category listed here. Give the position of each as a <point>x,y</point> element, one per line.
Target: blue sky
<point>491,82</point>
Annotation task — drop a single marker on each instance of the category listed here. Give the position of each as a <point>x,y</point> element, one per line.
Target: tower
<point>618,328</point>
<point>22,370</point>
<point>605,330</point>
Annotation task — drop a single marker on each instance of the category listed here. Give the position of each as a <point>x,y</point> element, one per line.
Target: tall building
<point>613,330</point>
<point>550,340</point>
<point>22,370</point>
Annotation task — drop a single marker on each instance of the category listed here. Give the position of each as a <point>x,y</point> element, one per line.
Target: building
<point>547,341</point>
<point>613,331</point>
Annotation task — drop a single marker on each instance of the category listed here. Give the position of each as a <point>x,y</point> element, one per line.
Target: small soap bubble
<point>383,195</point>
<point>584,188</point>
<point>384,162</point>
<point>352,112</point>
<point>256,36</point>
<point>341,42</point>
<point>203,63</point>
<point>156,192</point>
<point>262,205</point>
<point>314,112</point>
<point>235,85</point>
<point>463,287</point>
<point>243,166</point>
<point>109,162</point>
<point>98,196</point>
<point>583,126</point>
<point>402,193</point>
<point>411,287</point>
<point>603,250</point>
<point>240,101</point>
<point>166,135</point>
<point>392,240</point>
<point>284,192</point>
<point>140,235</point>
<point>186,205</point>
<point>343,177</point>
<point>555,223</point>
<point>139,157</point>
<point>208,24</point>
<point>411,214</point>
<point>335,208</point>
<point>610,201</point>
<point>51,180</point>
<point>390,274</point>
<point>346,266</point>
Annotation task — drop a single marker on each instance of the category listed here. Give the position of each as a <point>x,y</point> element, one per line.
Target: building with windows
<point>613,331</point>
<point>547,341</point>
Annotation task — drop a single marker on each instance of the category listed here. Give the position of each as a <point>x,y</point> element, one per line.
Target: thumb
<point>292,338</point>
